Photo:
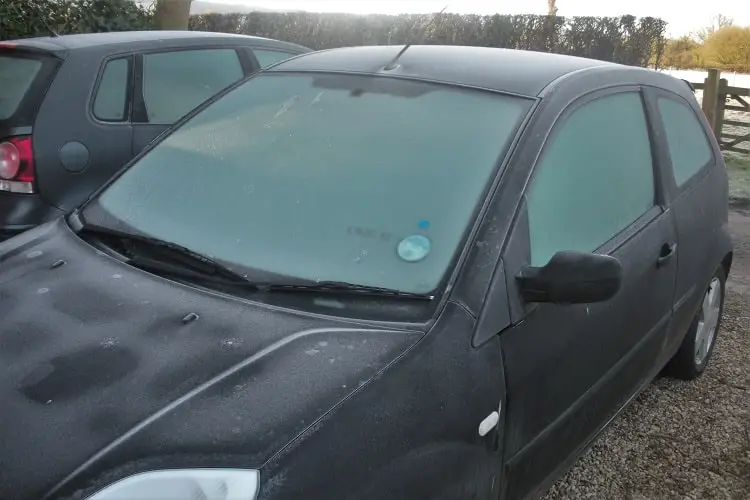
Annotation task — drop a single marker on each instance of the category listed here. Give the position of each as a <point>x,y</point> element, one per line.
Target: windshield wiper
<point>164,257</point>
<point>342,286</point>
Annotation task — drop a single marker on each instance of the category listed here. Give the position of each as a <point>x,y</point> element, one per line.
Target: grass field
<point>738,168</point>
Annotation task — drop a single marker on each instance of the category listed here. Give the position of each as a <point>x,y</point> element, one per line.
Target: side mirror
<point>572,278</point>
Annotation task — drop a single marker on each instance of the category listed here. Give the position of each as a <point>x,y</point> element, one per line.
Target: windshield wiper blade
<point>164,257</point>
<point>345,287</point>
<point>153,254</point>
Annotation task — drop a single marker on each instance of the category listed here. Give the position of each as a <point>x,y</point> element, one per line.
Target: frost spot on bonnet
<point>230,343</point>
<point>109,342</point>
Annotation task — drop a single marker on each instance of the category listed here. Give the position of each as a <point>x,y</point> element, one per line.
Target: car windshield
<point>358,179</point>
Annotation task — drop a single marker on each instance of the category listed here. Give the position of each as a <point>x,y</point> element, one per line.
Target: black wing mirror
<point>572,278</point>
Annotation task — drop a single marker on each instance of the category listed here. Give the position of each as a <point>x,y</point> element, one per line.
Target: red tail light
<point>17,166</point>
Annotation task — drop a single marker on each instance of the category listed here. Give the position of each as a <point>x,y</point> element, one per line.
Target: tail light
<point>17,166</point>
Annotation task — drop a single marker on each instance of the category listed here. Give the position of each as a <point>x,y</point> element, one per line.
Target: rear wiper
<point>342,286</point>
<point>160,256</point>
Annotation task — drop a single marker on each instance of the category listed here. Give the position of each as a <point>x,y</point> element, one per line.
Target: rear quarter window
<point>110,103</point>
<point>17,74</point>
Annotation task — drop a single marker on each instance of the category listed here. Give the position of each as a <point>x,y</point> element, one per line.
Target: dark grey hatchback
<point>74,109</point>
<point>367,273</point>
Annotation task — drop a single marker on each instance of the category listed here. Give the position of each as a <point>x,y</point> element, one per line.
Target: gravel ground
<point>683,440</point>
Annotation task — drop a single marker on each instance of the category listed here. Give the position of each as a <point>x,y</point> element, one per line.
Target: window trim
<point>652,102</point>
<point>247,60</point>
<point>140,112</point>
<point>128,111</point>
<point>659,203</point>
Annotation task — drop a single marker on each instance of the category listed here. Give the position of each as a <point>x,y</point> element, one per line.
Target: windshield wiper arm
<point>160,256</point>
<point>342,286</point>
<point>153,254</point>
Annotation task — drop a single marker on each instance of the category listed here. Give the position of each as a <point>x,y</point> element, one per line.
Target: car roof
<point>515,71</point>
<point>144,39</point>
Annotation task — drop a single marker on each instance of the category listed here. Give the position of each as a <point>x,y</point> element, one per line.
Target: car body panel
<point>19,212</point>
<point>111,355</point>
<point>556,401</point>
<point>414,430</point>
<point>700,218</point>
<point>482,67</point>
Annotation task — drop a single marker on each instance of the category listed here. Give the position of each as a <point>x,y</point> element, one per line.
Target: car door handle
<point>667,252</point>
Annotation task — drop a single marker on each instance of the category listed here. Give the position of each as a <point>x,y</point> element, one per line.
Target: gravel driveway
<point>683,440</point>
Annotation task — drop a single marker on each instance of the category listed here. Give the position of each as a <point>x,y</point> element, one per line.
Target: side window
<point>594,178</point>
<point>111,100</point>
<point>176,82</point>
<point>268,57</point>
<point>688,145</point>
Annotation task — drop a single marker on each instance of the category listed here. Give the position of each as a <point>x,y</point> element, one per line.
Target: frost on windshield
<point>334,178</point>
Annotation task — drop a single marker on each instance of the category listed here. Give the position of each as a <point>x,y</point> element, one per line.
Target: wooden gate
<point>732,130</point>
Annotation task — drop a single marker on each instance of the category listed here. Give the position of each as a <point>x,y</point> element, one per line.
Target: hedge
<point>626,39</point>
<point>28,18</point>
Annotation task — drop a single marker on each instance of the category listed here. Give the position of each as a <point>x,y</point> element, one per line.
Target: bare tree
<point>552,7</point>
<point>172,14</point>
<point>717,22</point>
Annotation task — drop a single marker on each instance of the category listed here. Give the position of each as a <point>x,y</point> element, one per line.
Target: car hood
<point>99,367</point>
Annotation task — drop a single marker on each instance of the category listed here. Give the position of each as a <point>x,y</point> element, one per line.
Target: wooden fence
<point>719,97</point>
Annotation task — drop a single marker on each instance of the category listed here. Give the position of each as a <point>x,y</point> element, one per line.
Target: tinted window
<point>269,57</point>
<point>176,82</point>
<point>333,177</point>
<point>594,178</point>
<point>688,145</point>
<point>16,76</point>
<point>111,96</point>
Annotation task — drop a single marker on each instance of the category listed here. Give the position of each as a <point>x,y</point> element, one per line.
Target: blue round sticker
<point>414,248</point>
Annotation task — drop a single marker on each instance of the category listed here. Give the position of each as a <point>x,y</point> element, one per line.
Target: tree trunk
<point>552,7</point>
<point>172,14</point>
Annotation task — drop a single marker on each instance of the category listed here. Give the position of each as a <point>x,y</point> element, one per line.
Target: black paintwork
<point>74,152</point>
<point>102,378</point>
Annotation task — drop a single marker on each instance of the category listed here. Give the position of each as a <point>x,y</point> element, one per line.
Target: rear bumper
<point>20,212</point>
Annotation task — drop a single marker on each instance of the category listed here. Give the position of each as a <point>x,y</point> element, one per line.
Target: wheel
<point>693,355</point>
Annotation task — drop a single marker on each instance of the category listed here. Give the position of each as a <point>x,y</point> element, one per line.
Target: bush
<point>625,39</point>
<point>28,18</point>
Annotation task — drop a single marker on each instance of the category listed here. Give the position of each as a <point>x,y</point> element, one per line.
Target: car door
<point>169,84</point>
<point>695,183</point>
<point>569,368</point>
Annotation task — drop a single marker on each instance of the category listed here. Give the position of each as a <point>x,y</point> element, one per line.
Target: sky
<point>683,16</point>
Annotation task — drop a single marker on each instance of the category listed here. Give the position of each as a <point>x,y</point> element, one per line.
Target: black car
<point>367,273</point>
<point>74,109</point>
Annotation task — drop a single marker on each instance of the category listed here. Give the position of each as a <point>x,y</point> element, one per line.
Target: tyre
<point>694,353</point>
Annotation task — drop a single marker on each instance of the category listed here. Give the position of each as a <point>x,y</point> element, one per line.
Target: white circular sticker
<point>414,248</point>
